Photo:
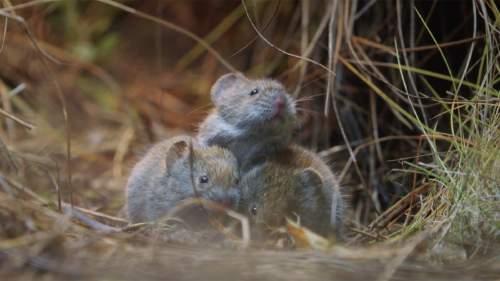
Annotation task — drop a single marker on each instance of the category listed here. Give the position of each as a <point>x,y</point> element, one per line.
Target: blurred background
<point>401,97</point>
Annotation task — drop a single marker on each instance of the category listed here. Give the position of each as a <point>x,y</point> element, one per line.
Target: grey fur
<point>163,177</point>
<point>244,123</point>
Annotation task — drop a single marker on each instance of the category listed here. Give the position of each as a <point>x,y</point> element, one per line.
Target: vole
<point>252,117</point>
<point>164,177</point>
<point>293,182</point>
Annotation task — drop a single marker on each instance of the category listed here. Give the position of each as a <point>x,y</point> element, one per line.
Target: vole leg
<point>220,133</point>
<point>220,139</point>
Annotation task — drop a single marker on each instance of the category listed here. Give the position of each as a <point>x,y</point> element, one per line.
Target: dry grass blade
<point>87,221</point>
<point>391,50</point>
<point>173,27</point>
<point>212,37</point>
<point>305,238</point>
<point>44,57</point>
<point>403,253</point>
<point>18,120</point>
<point>245,227</point>
<point>6,155</point>
<point>398,207</point>
<point>276,47</point>
<point>4,35</point>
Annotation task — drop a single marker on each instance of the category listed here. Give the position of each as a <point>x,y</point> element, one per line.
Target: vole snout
<point>279,105</point>
<point>228,197</point>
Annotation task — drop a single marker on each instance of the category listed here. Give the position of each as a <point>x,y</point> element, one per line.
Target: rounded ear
<point>176,152</point>
<point>224,82</point>
<point>309,177</point>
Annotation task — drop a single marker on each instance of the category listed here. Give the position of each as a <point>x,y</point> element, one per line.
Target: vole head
<point>212,170</point>
<point>270,193</point>
<point>251,103</point>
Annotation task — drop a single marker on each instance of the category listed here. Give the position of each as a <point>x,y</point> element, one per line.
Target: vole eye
<point>254,92</point>
<point>236,181</point>
<point>204,179</point>
<point>253,210</point>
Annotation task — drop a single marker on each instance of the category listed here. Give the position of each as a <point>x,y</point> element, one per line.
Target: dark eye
<point>254,92</point>
<point>253,210</point>
<point>236,181</point>
<point>203,179</point>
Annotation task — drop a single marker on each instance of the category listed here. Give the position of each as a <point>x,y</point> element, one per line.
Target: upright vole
<point>252,118</point>
<point>255,119</point>
<point>168,171</point>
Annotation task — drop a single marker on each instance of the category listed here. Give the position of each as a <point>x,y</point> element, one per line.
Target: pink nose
<point>279,104</point>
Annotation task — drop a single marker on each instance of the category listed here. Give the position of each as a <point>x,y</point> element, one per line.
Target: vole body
<point>164,177</point>
<point>252,118</point>
<point>293,182</point>
<point>255,120</point>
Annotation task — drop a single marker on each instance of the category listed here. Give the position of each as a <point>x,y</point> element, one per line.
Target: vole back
<point>279,170</point>
<point>271,192</point>
<point>251,118</point>
<point>168,171</point>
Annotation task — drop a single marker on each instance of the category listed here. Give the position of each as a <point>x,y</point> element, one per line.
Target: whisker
<point>309,111</point>
<point>304,99</point>
<point>311,97</point>
<point>203,109</point>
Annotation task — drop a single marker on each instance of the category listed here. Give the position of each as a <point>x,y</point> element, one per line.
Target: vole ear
<point>176,152</point>
<point>309,177</point>
<point>224,82</point>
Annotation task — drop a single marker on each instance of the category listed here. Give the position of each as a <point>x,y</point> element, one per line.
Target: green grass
<point>465,199</point>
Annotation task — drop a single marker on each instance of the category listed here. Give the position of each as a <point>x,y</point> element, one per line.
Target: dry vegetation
<point>402,97</point>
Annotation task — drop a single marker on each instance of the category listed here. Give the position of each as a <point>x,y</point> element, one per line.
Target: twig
<point>21,122</point>
<point>245,226</point>
<point>102,216</point>
<point>93,224</point>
